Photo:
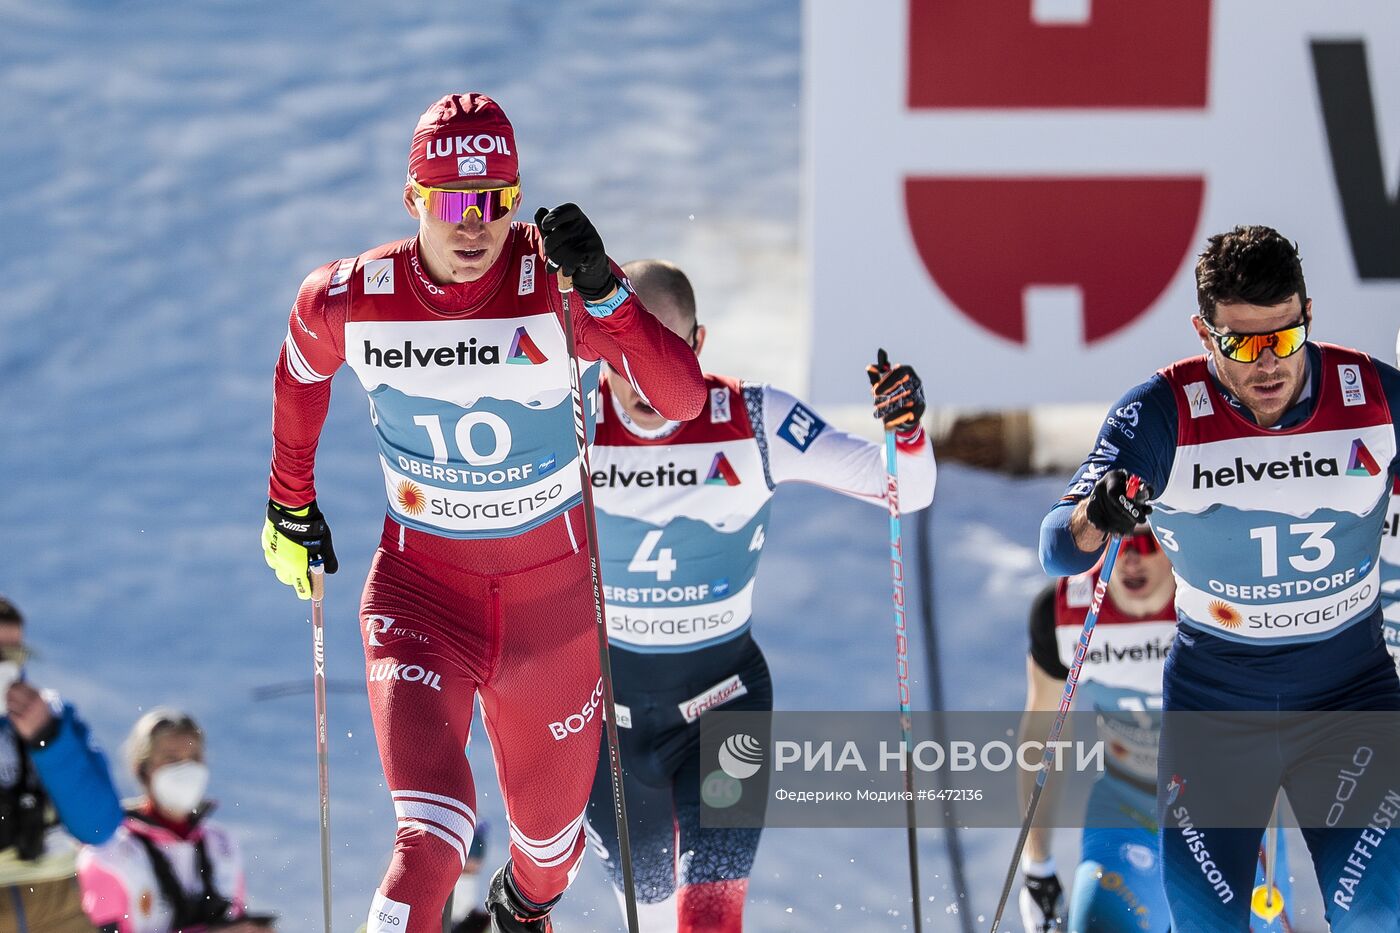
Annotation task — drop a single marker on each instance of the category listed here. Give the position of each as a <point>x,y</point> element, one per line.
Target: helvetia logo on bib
<point>1241,471</point>
<point>523,351</point>
<point>721,473</point>
<point>410,497</point>
<point>1361,462</point>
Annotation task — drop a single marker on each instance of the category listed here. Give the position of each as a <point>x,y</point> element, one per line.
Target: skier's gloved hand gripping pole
<point>899,403</point>
<point>574,247</point>
<point>575,250</point>
<point>1117,505</point>
<point>295,538</point>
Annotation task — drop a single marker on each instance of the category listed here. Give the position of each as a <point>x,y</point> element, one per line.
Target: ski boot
<point>511,913</point>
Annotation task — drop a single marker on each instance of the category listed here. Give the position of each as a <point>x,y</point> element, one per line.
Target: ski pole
<point>318,656</point>
<point>923,528</point>
<point>1071,682</point>
<point>590,527</point>
<point>901,648</point>
<point>1267,900</point>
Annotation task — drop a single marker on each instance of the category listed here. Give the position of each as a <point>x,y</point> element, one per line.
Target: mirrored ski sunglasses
<point>451,205</point>
<point>1246,348</point>
<point>1144,542</point>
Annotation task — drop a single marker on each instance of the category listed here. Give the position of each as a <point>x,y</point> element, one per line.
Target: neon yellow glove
<point>292,540</point>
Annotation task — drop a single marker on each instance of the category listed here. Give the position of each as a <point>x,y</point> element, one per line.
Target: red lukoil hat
<point>462,137</point>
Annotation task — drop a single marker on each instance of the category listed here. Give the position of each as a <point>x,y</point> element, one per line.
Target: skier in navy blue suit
<point>1266,466</point>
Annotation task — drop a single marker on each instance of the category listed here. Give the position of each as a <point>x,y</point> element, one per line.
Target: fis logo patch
<point>1079,591</point>
<point>379,277</point>
<point>721,473</point>
<point>471,165</point>
<point>1198,400</point>
<point>527,276</point>
<point>800,428</point>
<point>1361,462</point>
<point>523,351</point>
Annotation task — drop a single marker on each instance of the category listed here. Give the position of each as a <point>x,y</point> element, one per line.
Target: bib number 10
<point>494,424</point>
<point>1313,553</point>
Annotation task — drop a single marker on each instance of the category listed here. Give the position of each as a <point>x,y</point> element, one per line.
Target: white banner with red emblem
<point>1011,194</point>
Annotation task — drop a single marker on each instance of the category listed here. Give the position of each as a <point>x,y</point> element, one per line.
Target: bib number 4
<point>650,559</point>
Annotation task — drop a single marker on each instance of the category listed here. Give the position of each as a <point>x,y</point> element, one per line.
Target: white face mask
<point>10,671</point>
<point>178,789</point>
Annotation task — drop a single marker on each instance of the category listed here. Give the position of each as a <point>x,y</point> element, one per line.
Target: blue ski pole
<point>1071,682</point>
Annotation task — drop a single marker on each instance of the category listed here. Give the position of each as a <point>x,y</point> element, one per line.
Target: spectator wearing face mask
<point>169,867</point>
<point>55,791</point>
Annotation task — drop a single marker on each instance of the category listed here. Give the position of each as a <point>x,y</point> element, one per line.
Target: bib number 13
<point>1314,552</point>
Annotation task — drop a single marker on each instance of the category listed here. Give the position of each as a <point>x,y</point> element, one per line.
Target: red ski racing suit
<point>481,584</point>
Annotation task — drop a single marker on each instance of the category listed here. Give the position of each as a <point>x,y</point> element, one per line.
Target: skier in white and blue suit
<point>1267,464</point>
<point>684,512</point>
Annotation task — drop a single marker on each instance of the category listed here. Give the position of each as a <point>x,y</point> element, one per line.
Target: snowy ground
<point>169,174</point>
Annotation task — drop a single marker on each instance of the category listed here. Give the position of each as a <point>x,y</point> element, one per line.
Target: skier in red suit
<point>481,584</point>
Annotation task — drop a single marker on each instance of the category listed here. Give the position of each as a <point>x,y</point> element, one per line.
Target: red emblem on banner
<point>1120,240</point>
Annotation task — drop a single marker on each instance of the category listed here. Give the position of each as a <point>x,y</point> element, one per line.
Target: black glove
<point>1111,511</point>
<point>572,243</point>
<point>1042,901</point>
<point>899,394</point>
